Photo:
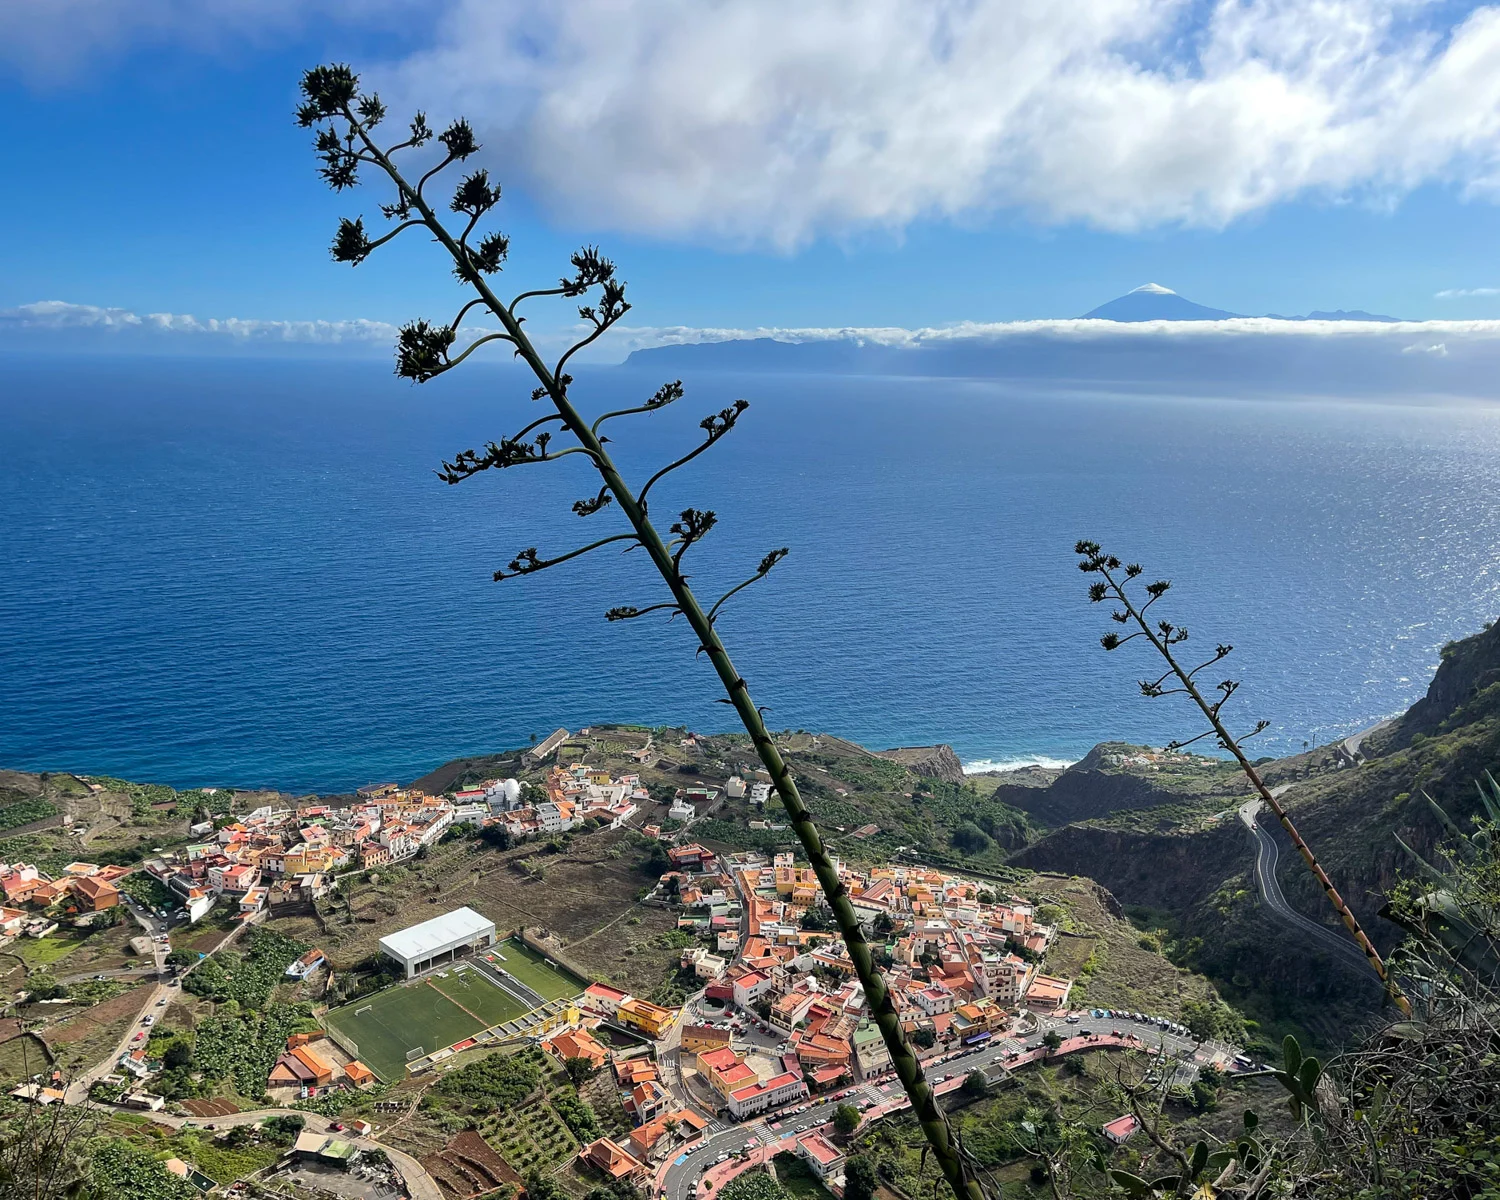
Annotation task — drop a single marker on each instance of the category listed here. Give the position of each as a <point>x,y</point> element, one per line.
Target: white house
<point>761,1096</point>
<point>823,1158</point>
<point>934,999</point>
<point>750,987</point>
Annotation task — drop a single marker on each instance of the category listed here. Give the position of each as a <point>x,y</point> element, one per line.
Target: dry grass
<point>1103,954</point>
<point>586,896</point>
<point>83,1040</point>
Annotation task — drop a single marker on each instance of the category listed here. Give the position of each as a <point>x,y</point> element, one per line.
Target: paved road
<point>679,1179</point>
<point>78,1088</point>
<point>1340,945</point>
<point>1354,741</point>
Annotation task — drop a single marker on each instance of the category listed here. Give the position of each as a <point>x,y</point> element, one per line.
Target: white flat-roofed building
<point>440,940</point>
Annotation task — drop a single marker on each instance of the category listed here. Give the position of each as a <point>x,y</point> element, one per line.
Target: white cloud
<point>89,324</point>
<point>58,316</point>
<point>775,121</point>
<point>1462,293</point>
<point>1271,329</point>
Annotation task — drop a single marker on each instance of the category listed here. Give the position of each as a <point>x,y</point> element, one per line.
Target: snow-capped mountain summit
<point>1152,302</point>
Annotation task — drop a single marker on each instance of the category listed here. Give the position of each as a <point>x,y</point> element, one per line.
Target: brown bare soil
<point>468,1166</point>
<point>211,1108</point>
<point>114,1011</point>
<point>586,896</point>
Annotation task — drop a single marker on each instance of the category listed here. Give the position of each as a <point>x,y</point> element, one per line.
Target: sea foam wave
<point>980,766</point>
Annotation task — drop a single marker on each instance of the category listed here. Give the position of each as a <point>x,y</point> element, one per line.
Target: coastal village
<point>774,1022</point>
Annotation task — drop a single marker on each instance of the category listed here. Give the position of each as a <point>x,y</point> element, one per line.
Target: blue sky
<point>754,167</point>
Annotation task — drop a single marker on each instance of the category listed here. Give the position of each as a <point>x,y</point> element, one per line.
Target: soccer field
<point>471,990</point>
<point>546,979</point>
<point>389,1027</point>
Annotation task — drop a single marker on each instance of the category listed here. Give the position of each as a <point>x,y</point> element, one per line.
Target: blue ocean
<point>242,572</point>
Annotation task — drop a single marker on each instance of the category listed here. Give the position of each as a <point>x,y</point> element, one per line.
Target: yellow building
<point>651,1019</point>
<point>704,1037</point>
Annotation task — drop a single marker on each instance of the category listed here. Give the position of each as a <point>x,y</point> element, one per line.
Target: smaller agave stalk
<point>1119,582</point>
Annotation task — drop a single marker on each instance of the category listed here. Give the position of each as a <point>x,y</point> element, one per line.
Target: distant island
<point>1151,338</point>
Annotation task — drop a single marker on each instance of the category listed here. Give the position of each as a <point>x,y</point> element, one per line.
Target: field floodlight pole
<point>345,120</point>
<point>1115,578</point>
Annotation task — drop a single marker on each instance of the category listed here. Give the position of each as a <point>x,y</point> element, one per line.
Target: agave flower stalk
<point>1115,580</point>
<point>346,121</point>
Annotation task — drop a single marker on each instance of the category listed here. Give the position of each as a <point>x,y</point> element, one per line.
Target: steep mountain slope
<point>1199,885</point>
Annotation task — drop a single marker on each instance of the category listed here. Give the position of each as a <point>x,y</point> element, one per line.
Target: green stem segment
<point>1185,678</point>
<point>877,994</point>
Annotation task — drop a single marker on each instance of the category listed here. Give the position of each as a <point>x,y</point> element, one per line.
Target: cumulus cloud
<point>776,121</point>
<point>1463,293</point>
<point>772,122</point>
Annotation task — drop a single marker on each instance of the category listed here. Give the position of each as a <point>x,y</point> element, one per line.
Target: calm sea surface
<point>239,572</point>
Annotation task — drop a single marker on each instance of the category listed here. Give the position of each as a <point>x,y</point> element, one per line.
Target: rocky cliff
<point>935,762</point>
<point>1118,777</point>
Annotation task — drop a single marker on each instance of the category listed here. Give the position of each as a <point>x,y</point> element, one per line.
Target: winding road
<point>1266,855</point>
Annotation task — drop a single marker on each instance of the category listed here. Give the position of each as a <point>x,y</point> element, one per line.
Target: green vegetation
<point>148,890</point>
<point>233,1155</point>
<point>576,1115</point>
<point>118,1168</point>
<point>1212,1018</point>
<point>533,1138</point>
<point>250,978</point>
<point>753,1185</point>
<point>796,1177</point>
<point>24,812</point>
<point>501,1081</point>
<point>243,1047</point>
<point>43,952</point>
<point>143,797</point>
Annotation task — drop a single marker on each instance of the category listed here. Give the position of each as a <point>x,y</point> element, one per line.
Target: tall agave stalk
<point>345,120</point>
<point>1113,584</point>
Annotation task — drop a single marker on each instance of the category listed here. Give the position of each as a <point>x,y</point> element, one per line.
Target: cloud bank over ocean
<point>1416,359</point>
